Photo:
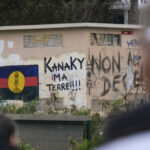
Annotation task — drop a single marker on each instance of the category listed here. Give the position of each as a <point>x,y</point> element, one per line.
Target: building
<point>82,64</point>
<point>123,11</point>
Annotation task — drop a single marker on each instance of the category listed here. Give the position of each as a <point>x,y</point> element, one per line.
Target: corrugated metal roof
<point>70,25</point>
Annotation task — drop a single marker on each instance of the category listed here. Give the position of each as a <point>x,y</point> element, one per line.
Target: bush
<point>25,146</point>
<point>81,111</point>
<point>96,139</point>
<point>29,108</point>
<point>9,109</point>
<point>116,106</point>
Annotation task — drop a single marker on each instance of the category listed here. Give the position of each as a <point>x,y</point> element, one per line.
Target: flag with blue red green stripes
<point>19,82</point>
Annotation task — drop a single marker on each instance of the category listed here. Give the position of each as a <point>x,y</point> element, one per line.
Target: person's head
<point>129,130</point>
<point>7,133</point>
<point>129,122</point>
<point>145,42</point>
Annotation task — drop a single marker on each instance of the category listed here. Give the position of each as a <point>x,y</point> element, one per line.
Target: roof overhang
<point>69,25</point>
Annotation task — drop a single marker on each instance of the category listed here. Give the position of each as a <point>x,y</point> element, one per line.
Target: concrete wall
<point>93,73</point>
<point>72,51</point>
<point>113,71</point>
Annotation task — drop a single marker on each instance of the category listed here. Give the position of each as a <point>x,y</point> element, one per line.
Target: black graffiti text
<point>117,81</point>
<point>105,64</point>
<point>59,77</point>
<point>72,86</point>
<point>72,64</point>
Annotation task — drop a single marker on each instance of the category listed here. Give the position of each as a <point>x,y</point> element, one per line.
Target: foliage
<point>50,111</point>
<point>96,139</point>
<point>83,146</point>
<point>71,111</point>
<point>116,106</point>
<point>25,146</point>
<point>29,108</point>
<point>9,109</point>
<point>81,111</point>
<point>14,12</point>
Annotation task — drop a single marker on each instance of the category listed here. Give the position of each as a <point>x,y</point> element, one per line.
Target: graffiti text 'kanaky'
<point>72,64</point>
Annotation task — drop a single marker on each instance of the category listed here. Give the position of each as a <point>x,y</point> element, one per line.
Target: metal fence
<point>51,132</point>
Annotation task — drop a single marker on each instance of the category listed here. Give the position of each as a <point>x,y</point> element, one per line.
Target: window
<point>43,40</point>
<point>98,39</point>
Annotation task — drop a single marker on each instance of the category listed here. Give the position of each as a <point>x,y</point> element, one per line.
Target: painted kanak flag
<point>19,82</point>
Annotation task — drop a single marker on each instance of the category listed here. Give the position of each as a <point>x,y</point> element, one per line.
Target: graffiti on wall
<point>55,69</point>
<point>133,43</point>
<point>63,76</point>
<point>112,73</point>
<point>67,76</point>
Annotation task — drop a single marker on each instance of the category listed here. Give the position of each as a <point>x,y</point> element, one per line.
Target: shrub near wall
<point>29,108</point>
<point>24,146</point>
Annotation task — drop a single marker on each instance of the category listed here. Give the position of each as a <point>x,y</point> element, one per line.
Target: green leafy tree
<point>16,12</point>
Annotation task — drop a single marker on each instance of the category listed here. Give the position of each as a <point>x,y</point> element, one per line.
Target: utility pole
<point>126,8</point>
<point>134,12</point>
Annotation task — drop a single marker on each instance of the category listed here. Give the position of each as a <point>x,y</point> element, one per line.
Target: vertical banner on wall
<point>19,82</point>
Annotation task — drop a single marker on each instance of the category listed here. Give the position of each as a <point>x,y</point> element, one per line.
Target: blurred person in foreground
<point>8,140</point>
<point>131,130</point>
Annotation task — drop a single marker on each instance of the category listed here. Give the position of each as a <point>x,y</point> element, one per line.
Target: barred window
<point>43,40</point>
<point>98,39</point>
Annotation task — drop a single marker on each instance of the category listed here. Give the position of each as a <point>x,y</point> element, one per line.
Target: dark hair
<point>7,129</point>
<point>127,123</point>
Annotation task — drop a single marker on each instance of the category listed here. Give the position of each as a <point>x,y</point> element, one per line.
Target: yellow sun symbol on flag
<point>16,82</point>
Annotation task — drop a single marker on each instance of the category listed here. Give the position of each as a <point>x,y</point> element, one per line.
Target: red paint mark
<point>52,77</point>
<point>127,32</point>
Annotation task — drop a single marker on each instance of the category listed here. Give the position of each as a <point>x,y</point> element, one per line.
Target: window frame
<point>105,42</point>
<point>57,40</point>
